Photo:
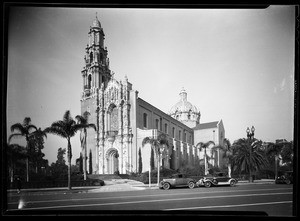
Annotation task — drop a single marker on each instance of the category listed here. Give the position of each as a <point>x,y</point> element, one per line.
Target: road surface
<point>272,199</point>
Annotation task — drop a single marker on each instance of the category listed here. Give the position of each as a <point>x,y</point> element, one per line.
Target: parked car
<point>286,178</point>
<point>217,179</point>
<point>177,180</point>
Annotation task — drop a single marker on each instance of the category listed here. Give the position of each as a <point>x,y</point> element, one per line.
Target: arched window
<point>101,58</point>
<point>102,79</point>
<point>166,128</point>
<point>157,124</point>
<point>91,57</point>
<point>113,118</point>
<point>89,81</point>
<point>160,124</point>
<point>145,120</point>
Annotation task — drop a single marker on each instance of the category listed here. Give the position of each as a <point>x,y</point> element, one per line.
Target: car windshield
<point>176,176</point>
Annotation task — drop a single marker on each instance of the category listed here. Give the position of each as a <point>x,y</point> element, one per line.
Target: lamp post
<point>250,135</point>
<point>160,152</point>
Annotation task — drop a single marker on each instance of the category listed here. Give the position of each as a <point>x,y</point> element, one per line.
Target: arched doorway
<point>112,158</point>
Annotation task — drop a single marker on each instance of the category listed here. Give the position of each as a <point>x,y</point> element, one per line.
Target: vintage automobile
<point>177,180</point>
<point>286,178</point>
<point>216,179</point>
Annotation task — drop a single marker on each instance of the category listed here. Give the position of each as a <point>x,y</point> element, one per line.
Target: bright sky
<point>235,64</point>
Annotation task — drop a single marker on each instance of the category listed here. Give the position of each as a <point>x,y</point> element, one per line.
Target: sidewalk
<point>262,181</point>
<point>114,185</point>
<point>123,185</point>
<point>117,185</point>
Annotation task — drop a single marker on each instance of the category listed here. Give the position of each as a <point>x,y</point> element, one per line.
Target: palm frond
<point>57,131</point>
<point>14,135</point>
<point>86,114</point>
<point>18,127</point>
<point>81,120</point>
<point>205,145</point>
<point>39,132</point>
<point>92,126</point>
<point>67,116</point>
<point>78,127</point>
<point>219,147</point>
<point>199,145</point>
<point>26,121</point>
<point>146,140</point>
<point>31,127</point>
<point>162,139</point>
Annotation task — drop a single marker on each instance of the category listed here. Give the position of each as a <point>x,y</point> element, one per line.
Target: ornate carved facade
<point>115,134</point>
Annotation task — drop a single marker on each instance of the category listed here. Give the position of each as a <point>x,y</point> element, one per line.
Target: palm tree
<point>287,153</point>
<point>204,146</point>
<point>275,150</point>
<point>227,153</point>
<point>23,130</point>
<point>158,145</point>
<point>67,129</point>
<point>83,121</point>
<point>36,144</point>
<point>241,155</point>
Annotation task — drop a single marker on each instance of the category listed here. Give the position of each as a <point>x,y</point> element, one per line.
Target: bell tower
<point>95,77</point>
<point>96,70</point>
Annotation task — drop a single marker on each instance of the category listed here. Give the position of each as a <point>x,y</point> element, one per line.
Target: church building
<point>123,120</point>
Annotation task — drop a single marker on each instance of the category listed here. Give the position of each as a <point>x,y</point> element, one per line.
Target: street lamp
<point>250,135</point>
<point>161,149</point>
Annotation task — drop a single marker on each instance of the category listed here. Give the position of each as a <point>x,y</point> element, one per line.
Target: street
<point>274,200</point>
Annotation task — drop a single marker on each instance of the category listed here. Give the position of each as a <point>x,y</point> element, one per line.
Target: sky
<point>236,65</point>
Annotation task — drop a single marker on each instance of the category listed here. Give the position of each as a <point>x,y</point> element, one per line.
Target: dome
<point>96,23</point>
<point>183,105</point>
<point>184,111</point>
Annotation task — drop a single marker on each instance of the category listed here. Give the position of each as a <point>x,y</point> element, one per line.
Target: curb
<point>127,185</point>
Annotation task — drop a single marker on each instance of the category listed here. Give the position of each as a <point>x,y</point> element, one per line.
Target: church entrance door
<point>112,161</point>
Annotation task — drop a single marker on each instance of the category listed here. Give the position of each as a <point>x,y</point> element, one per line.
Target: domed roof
<point>183,105</point>
<point>96,23</point>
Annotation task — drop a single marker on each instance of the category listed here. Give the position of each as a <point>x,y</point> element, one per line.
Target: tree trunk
<point>69,164</point>
<point>27,161</point>
<point>229,170</point>
<point>11,174</point>
<point>150,175</point>
<point>27,169</point>
<point>84,159</point>
<point>158,169</point>
<point>205,163</point>
<point>276,167</point>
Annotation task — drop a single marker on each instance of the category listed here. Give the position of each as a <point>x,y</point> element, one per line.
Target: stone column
<point>188,154</point>
<point>101,133</point>
<point>181,152</point>
<point>120,120</point>
<point>175,154</point>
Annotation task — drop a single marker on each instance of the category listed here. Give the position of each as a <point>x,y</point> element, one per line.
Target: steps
<point>107,176</point>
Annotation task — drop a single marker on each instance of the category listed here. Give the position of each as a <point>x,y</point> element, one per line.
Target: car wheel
<point>215,182</point>
<point>232,183</point>
<point>191,185</point>
<point>288,182</point>
<point>166,186</point>
<point>207,184</point>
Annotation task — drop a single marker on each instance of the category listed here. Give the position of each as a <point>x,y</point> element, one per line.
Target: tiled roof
<point>206,125</point>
